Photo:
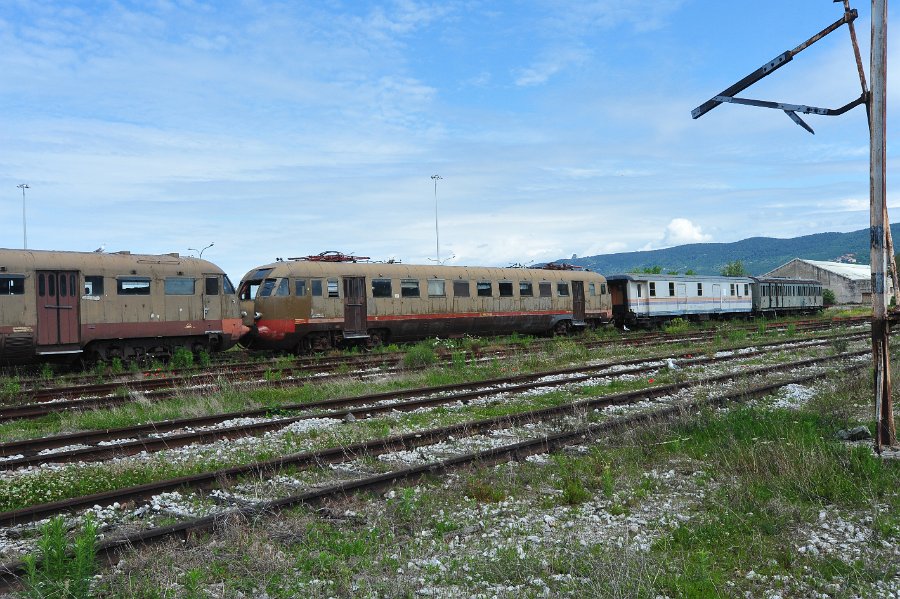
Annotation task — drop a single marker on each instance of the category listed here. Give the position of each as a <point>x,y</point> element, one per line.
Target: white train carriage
<point>643,299</point>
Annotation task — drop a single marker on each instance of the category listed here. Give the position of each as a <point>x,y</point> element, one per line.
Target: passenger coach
<point>305,304</point>
<point>99,306</point>
<point>642,299</point>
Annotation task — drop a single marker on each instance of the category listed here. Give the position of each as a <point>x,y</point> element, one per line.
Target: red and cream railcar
<point>112,305</point>
<point>303,305</point>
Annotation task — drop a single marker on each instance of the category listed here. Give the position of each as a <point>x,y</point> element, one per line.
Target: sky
<point>558,127</point>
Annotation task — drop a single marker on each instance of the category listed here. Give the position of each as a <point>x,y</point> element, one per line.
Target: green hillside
<point>758,254</point>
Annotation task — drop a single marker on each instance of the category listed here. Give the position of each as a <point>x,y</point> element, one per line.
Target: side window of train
<point>732,289</point>
<point>506,288</point>
<point>284,288</point>
<point>212,285</point>
<point>592,291</point>
<point>484,289</point>
<point>671,289</point>
<point>526,289</point>
<point>317,287</point>
<point>652,289</point>
<point>179,286</point>
<point>127,286</point>
<point>461,288</point>
<point>602,288</point>
<point>13,285</point>
<point>746,289</point>
<point>229,288</point>
<point>300,287</point>
<point>381,288</point>
<point>544,289</point>
<point>562,289</point>
<point>93,286</point>
<point>409,287</point>
<point>266,288</point>
<point>333,288</point>
<point>42,285</point>
<point>699,289</point>
<point>436,288</point>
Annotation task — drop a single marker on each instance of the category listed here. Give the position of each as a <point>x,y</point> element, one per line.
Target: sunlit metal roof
<point>850,271</point>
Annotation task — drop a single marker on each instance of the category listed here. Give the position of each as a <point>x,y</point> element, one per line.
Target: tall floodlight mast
<point>881,242</point>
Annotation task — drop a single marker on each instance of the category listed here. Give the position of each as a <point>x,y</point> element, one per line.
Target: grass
<point>60,568</point>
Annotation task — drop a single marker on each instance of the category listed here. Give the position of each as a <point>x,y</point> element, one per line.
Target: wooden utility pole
<point>885,433</point>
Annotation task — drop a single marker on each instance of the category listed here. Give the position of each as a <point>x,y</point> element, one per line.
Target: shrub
<point>828,297</point>
<point>60,570</point>
<point>677,325</point>
<point>419,355</point>
<point>182,358</point>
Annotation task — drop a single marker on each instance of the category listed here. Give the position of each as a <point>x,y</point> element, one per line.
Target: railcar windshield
<point>229,288</point>
<point>265,290</point>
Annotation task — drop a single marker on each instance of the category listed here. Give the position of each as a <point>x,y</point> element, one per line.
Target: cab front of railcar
<point>273,303</point>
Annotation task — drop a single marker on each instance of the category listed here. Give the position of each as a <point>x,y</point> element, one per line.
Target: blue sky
<point>559,127</point>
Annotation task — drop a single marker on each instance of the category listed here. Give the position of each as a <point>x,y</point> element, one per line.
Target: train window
<point>261,274</point>
<point>484,289</point>
<point>652,289</point>
<point>62,286</point>
<point>671,289</point>
<point>732,289</point>
<point>506,288</point>
<point>300,287</point>
<point>51,285</point>
<point>266,288</point>
<point>699,289</point>
<point>229,288</point>
<point>212,285</point>
<point>461,288</point>
<point>248,290</point>
<point>12,285</point>
<point>544,289</point>
<point>42,286</point>
<point>639,290</point>
<point>284,288</point>
<point>592,291</point>
<point>526,289</point>
<point>381,288</point>
<point>179,286</point>
<point>746,289</point>
<point>333,288</point>
<point>73,286</point>
<point>409,288</point>
<point>562,289</point>
<point>93,286</point>
<point>602,288</point>
<point>131,286</point>
<point>436,288</point>
<point>317,287</point>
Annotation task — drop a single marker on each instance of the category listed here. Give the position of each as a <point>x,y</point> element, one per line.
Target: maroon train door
<point>355,324</point>
<point>58,299</point>
<point>578,301</point>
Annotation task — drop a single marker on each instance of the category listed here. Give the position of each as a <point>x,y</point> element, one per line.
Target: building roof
<point>857,272</point>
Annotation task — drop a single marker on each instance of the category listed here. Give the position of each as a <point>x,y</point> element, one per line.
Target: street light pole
<point>23,187</point>
<point>200,252</point>
<point>437,235</point>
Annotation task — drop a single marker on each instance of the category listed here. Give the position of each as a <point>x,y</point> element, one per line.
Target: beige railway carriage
<point>100,305</point>
<point>303,305</point>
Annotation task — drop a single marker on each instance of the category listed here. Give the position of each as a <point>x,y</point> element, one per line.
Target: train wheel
<point>561,328</point>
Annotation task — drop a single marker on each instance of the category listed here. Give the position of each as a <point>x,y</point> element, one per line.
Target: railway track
<point>161,435</point>
<point>518,450</point>
<point>36,389</point>
<point>49,401</point>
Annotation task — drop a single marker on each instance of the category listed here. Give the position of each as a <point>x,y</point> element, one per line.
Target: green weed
<point>60,570</point>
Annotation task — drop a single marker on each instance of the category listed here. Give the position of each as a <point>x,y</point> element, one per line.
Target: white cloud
<point>680,231</point>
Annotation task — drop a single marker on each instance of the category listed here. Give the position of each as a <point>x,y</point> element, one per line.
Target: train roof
<point>787,280</point>
<point>633,276</point>
<point>12,260</point>
<point>421,271</point>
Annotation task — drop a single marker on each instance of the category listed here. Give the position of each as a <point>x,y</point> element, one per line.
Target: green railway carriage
<point>304,305</point>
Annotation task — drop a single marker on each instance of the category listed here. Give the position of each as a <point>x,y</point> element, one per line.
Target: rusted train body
<point>100,306</point>
<point>302,305</point>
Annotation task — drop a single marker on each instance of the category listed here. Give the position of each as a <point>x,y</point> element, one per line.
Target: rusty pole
<point>884,413</point>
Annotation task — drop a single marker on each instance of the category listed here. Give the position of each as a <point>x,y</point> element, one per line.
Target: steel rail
<point>11,573</point>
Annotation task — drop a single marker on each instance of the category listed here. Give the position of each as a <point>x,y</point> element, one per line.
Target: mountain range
<point>759,255</point>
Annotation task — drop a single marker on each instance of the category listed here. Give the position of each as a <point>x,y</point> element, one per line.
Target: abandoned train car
<point>303,305</point>
<point>66,305</point>
<point>645,299</point>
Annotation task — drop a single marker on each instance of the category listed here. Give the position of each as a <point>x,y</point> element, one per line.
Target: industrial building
<point>851,283</point>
